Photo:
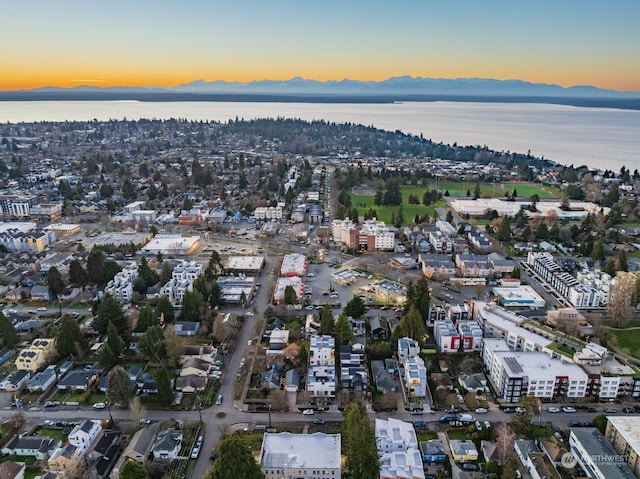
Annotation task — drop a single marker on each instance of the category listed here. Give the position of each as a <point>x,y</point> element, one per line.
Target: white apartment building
<point>440,242</point>
<point>121,286</point>
<point>321,376</point>
<point>517,373</point>
<point>267,213</point>
<point>415,377</point>
<point>470,335</point>
<point>586,290</point>
<point>181,281</point>
<point>447,336</point>
<point>407,348</point>
<point>397,444</point>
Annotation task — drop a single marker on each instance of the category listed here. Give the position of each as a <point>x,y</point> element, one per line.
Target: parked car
<point>145,421</point>
<point>610,410</point>
<point>568,409</point>
<point>308,412</point>
<point>627,410</point>
<point>467,466</point>
<point>195,452</point>
<point>318,421</point>
<point>520,409</point>
<point>99,405</point>
<point>508,410</point>
<point>481,410</point>
<point>553,409</point>
<point>219,400</point>
<point>199,441</point>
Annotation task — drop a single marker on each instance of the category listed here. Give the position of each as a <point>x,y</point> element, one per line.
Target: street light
<point>269,409</point>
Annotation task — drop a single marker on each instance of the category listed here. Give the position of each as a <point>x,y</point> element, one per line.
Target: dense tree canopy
<point>235,460</point>
<point>356,307</point>
<point>8,334</point>
<point>109,310</point>
<point>69,338</point>
<point>359,443</point>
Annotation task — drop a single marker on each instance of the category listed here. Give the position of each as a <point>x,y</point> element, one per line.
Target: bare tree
<point>620,306</point>
<point>505,437</point>
<point>16,421</point>
<point>278,400</point>
<point>173,343</point>
<point>138,411</point>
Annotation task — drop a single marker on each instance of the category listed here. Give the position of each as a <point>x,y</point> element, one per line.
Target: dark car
<point>318,421</point>
<point>508,410</point>
<point>467,466</point>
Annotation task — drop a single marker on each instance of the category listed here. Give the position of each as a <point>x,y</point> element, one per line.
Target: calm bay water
<point>596,137</point>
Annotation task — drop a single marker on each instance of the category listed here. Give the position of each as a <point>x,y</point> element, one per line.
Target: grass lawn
<point>457,434</point>
<point>526,190</point>
<point>426,436</point>
<point>28,460</point>
<point>540,431</point>
<point>32,474</point>
<point>460,188</point>
<point>626,339</point>
<point>562,349</point>
<point>384,212</point>
<point>53,433</point>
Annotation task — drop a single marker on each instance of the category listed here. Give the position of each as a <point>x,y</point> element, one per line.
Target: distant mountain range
<point>403,88</point>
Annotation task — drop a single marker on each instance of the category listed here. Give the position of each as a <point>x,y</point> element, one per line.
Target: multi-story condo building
<point>321,376</point>
<point>586,290</point>
<point>447,336</point>
<point>514,374</point>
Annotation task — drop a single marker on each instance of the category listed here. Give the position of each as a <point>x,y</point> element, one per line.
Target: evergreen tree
<point>109,309</point>
<point>109,270</point>
<point>55,282</point>
<point>193,305</point>
<point>152,344</point>
<point>113,340</point>
<point>355,307</point>
<point>326,320</point>
<point>8,332</point>
<point>166,274</point>
<point>146,319</point>
<point>95,265</point>
<point>504,231</point>
<point>412,325</point>
<point>165,309</point>
<point>235,460</point>
<point>597,253</point>
<point>69,338</point>
<point>165,395</point>
<point>476,191</point>
<point>359,443</point>
<point>342,331</point>
<point>290,295</point>
<point>77,273</point>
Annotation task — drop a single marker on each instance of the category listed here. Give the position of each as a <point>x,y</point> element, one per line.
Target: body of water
<point>597,137</point>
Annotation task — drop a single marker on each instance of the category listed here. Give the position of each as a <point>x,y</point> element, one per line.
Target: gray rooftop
<point>301,450</point>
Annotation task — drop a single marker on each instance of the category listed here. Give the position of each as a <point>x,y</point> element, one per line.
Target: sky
<point>67,43</point>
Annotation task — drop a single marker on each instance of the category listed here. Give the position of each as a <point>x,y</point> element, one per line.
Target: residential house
<point>79,379</point>
<point>379,328</point>
<point>147,384</point>
<point>134,372</point>
<point>137,449</point>
<point>39,447</point>
<point>104,454</point>
<point>167,445</point>
<point>191,384</point>
<point>83,435</point>
<point>43,380</point>
<point>433,451</point>
<point>270,379</point>
<point>353,366</point>
<point>12,470</point>
<point>64,458</point>
<point>186,328</point>
<point>40,293</point>
<point>463,451</point>
<point>473,382</point>
<point>292,381</point>
<point>195,366</point>
<point>278,340</point>
<point>490,451</point>
<point>15,380</point>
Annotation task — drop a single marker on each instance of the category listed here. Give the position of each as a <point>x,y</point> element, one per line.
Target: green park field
<point>364,202</point>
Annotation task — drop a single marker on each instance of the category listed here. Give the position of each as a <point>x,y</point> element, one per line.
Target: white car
<point>308,412</point>
<point>553,409</point>
<point>42,308</point>
<point>568,409</point>
<point>195,452</point>
<point>249,313</point>
<point>481,410</point>
<point>99,405</point>
<point>521,409</point>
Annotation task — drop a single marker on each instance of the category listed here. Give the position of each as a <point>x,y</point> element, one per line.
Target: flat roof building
<point>596,456</point>
<point>304,456</point>
<point>623,433</point>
